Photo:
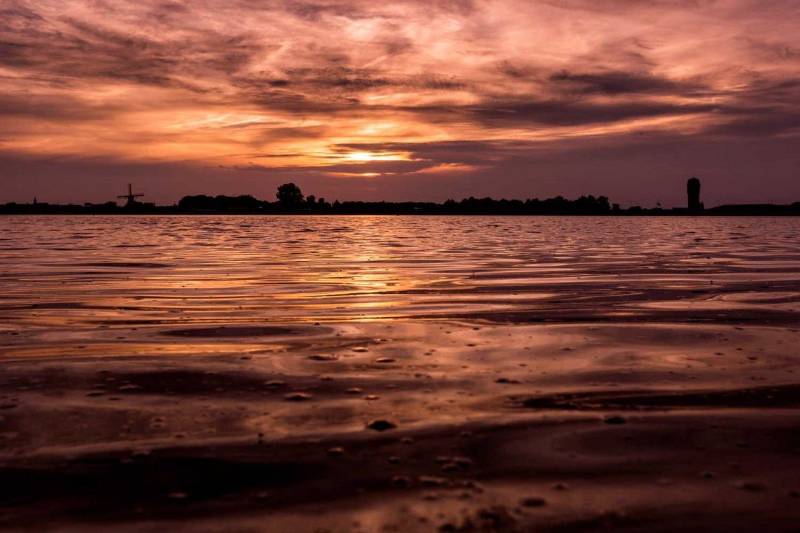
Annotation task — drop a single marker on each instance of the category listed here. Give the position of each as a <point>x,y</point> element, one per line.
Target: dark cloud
<point>559,112</point>
<point>621,82</point>
<point>52,108</point>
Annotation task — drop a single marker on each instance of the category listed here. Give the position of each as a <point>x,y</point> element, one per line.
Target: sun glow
<point>367,157</point>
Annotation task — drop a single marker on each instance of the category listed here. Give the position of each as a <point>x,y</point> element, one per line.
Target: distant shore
<point>348,209</point>
<point>291,201</point>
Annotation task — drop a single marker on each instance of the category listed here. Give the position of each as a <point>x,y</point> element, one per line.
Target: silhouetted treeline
<point>756,210</point>
<point>290,200</point>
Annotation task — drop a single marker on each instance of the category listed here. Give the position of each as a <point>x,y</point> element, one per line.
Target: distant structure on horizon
<point>132,198</point>
<point>291,201</point>
<point>693,192</point>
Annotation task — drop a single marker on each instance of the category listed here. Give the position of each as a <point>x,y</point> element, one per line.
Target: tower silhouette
<point>693,192</point>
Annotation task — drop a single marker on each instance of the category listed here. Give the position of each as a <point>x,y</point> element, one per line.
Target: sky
<point>400,100</point>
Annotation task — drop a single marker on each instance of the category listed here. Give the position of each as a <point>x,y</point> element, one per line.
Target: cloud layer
<point>403,99</point>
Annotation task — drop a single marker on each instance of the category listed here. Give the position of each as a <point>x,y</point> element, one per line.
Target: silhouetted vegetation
<point>292,201</point>
<point>289,195</point>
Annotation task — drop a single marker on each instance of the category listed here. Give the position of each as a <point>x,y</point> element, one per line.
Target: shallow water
<point>162,357</point>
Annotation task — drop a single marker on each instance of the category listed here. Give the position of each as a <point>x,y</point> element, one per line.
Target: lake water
<point>224,369</point>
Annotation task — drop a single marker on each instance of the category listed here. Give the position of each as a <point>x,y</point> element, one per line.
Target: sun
<point>366,157</point>
<point>362,156</point>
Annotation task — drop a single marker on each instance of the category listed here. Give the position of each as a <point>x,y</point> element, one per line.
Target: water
<point>188,337</point>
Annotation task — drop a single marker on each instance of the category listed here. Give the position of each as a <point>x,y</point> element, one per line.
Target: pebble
<point>432,481</point>
<point>324,358</point>
<point>297,397</point>
<point>533,501</point>
<point>463,462</point>
<point>384,360</point>
<point>381,425</point>
<point>751,486</point>
<point>336,451</point>
<point>614,419</point>
<point>401,481</point>
<point>454,463</point>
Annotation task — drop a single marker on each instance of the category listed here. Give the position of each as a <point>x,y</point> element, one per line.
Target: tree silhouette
<point>289,194</point>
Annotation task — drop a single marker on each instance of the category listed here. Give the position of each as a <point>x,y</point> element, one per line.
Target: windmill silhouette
<point>130,197</point>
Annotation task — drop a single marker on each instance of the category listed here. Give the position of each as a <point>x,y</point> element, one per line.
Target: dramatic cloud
<point>404,99</point>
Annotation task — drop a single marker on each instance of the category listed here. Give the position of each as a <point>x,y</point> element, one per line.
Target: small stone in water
<point>533,501</point>
<point>384,360</point>
<point>354,390</point>
<point>401,481</point>
<point>297,397</point>
<point>432,481</point>
<point>336,451</point>
<point>615,419</point>
<point>381,425</point>
<point>462,462</point>
<point>752,486</point>
<point>321,357</point>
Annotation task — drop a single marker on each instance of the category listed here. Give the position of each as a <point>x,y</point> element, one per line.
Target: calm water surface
<point>77,271</point>
<point>141,334</point>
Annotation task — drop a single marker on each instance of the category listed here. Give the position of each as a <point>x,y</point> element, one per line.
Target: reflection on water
<point>83,271</point>
<point>174,333</point>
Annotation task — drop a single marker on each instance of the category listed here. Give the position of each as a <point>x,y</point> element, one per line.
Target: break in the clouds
<point>403,99</point>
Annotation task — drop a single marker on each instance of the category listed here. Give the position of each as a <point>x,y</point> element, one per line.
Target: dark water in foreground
<point>220,373</point>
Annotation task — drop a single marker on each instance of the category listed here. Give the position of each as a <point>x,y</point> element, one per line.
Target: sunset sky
<point>404,99</point>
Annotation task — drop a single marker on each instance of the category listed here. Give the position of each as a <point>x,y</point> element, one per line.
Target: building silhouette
<point>130,197</point>
<point>693,193</point>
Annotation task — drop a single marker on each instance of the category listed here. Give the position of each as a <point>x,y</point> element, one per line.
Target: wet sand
<point>399,374</point>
